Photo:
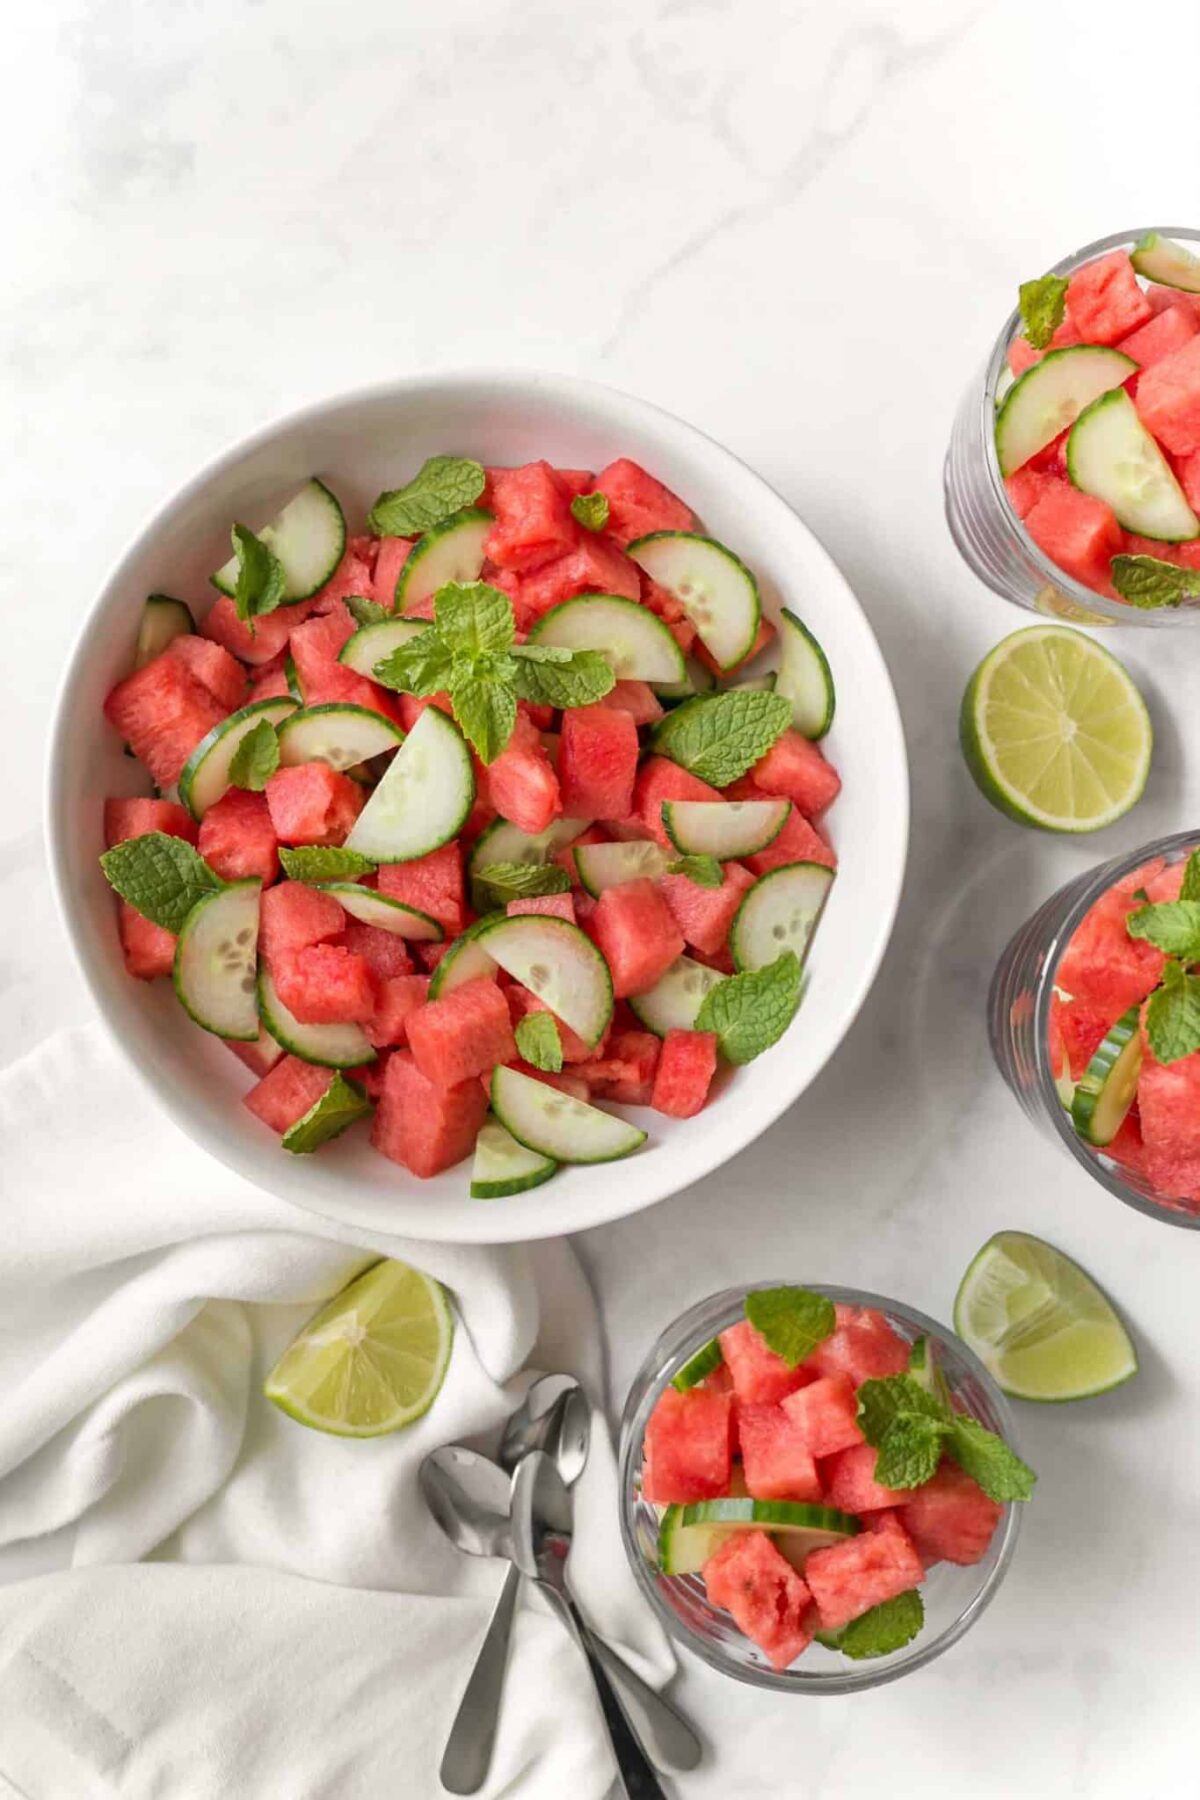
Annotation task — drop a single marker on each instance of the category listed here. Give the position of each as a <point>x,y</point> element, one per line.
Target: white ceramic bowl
<point>360,444</point>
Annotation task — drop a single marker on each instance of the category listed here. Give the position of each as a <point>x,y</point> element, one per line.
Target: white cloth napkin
<point>302,1630</point>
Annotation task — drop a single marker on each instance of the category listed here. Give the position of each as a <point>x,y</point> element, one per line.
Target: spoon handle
<point>637,1778</point>
<point>468,1752</point>
<point>666,1733</point>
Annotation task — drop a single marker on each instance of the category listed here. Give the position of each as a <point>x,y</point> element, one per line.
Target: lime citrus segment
<point>1054,732</point>
<point>1039,1324</point>
<point>372,1360</point>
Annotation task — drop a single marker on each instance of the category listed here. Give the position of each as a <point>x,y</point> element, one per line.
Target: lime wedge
<point>1054,731</point>
<point>1040,1325</point>
<point>372,1360</point>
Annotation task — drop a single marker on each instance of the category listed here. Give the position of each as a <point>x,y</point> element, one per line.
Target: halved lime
<point>1054,731</point>
<point>1039,1324</point>
<point>372,1360</point>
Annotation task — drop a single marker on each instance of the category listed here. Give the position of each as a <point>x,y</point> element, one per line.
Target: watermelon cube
<point>324,985</point>
<point>1076,531</point>
<point>258,644</point>
<point>848,1579</point>
<point>795,769</point>
<point>753,1581</point>
<point>352,576</point>
<point>1168,1096</point>
<point>635,931</point>
<point>595,565</point>
<point>323,679</point>
<point>704,915</point>
<point>776,1462</point>
<point>213,667</point>
<point>258,1057</point>
<point>551,906</point>
<point>1168,399</point>
<point>293,916</point>
<point>162,712</point>
<point>237,839</point>
<point>522,785</point>
<point>1027,487</point>
<point>686,1066</point>
<point>950,1519</point>
<point>825,1414</point>
<point>686,1451</point>
<point>638,699</point>
<point>1160,298</point>
<point>638,503</point>
<point>271,681</point>
<point>626,1070</point>
<point>311,803</point>
<point>425,1127</point>
<point>532,510</point>
<point>396,998</point>
<point>1081,1029</point>
<point>799,841</point>
<point>1104,301</point>
<point>850,1484</point>
<point>659,780</point>
<point>148,949</point>
<point>432,883</point>
<point>463,1035</point>
<point>1166,332</point>
<point>390,558</point>
<point>384,952</point>
<point>759,1376</point>
<point>134,818</point>
<point>661,602</point>
<point>597,763</point>
<point>1021,355</point>
<point>287,1092</point>
<point>521,1003</point>
<point>862,1346</point>
<point>1103,968</point>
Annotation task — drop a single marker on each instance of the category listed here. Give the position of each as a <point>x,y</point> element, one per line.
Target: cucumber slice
<point>1112,456</point>
<point>205,774</point>
<point>384,913</point>
<point>779,913</point>
<point>503,842</point>
<point>308,537</point>
<point>725,829</point>
<point>291,675</point>
<point>698,1367</point>
<point>163,620</point>
<point>714,587</point>
<point>1108,1086</point>
<point>503,1167</point>
<point>424,797</point>
<point>560,964</point>
<point>805,677</point>
<point>1051,395</point>
<point>603,866</point>
<point>757,684</point>
<point>215,958</point>
<point>451,551</point>
<point>337,734</point>
<point>332,1046</point>
<point>465,960</point>
<point>635,641</point>
<point>675,999</point>
<point>545,1119</point>
<point>370,645</point>
<point>688,1535</point>
<point>1163,260</point>
<point>698,678</point>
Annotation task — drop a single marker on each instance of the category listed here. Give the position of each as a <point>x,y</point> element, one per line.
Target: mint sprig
<point>1190,890</point>
<point>750,1012</point>
<point>366,612</point>
<point>539,1042</point>
<point>498,883</point>
<point>718,737</point>
<point>1173,1014</point>
<point>313,863</point>
<point>912,1428</point>
<point>1043,307</point>
<point>339,1106</point>
<point>792,1321</point>
<point>161,877</point>
<point>1173,926</point>
<point>256,758</point>
<point>705,871</point>
<point>261,582</point>
<point>548,679</point>
<point>442,485</point>
<point>989,1462</point>
<point>880,1630</point>
<point>1148,581</point>
<point>590,511</point>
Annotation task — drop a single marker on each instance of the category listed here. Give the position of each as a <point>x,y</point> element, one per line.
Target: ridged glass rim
<point>671,1349</point>
<point>1099,605</point>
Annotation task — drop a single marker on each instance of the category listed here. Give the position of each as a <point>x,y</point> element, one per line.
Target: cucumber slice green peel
<point>714,587</point>
<point>555,1125</point>
<point>503,1167</point>
<point>780,912</point>
<point>636,643</point>
<point>465,960</point>
<point>602,866</point>
<point>308,536</point>
<point>205,776</point>
<point>1051,395</point>
<point>336,733</point>
<point>689,1535</point>
<point>163,620</point>
<point>330,1046</point>
<point>424,798</point>
<point>1112,456</point>
<point>215,958</point>
<point>559,963</point>
<point>1108,1086</point>
<point>726,829</point>
<point>384,913</point>
<point>1163,260</point>
<point>372,643</point>
<point>451,551</point>
<point>674,1001</point>
<point>504,842</point>
<point>805,677</point>
<point>698,1366</point>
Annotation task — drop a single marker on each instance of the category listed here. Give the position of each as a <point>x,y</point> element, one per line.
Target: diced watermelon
<point>313,804</point>
<point>532,510</point>
<point>134,818</point>
<point>1168,399</point>
<point>659,780</point>
<point>323,679</point>
<point>1051,459</point>
<point>626,1071</point>
<point>384,952</point>
<point>237,839</point>
<point>271,681</point>
<point>862,1347</point>
<point>432,883</point>
<point>686,1066</point>
<point>566,858</point>
<point>521,1003</point>
<point>522,785</point>
<point>635,931</point>
<point>324,985</point>
<point>950,1519</point>
<point>390,558</point>
<point>799,841</point>
<point>352,576</point>
<point>638,699</point>
<point>686,1450</point>
<point>287,1092</point>
<point>257,645</point>
<point>776,1462</point>
<point>1104,301</point>
<point>424,1127</point>
<point>1076,531</point>
<point>850,1484</point>
<point>212,666</point>
<point>1081,1031</point>
<point>293,916</point>
<point>397,997</point>
<point>576,481</point>
<point>411,706</point>
<point>1021,355</point>
<point>848,1579</point>
<point>704,915</point>
<point>760,1378</point>
<point>1166,332</point>
<point>638,503</point>
<point>1159,298</point>
<point>1168,1096</point>
<point>660,601</point>
<point>825,1414</point>
<point>258,1057</point>
<point>162,712</point>
<point>1103,968</point>
<point>597,762</point>
<point>148,949</point>
<point>553,906</point>
<point>750,1578</point>
<point>795,769</point>
<point>1027,487</point>
<point>595,565</point>
<point>462,1035</point>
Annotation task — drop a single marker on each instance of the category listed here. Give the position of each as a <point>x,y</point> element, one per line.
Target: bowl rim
<point>770,1101</point>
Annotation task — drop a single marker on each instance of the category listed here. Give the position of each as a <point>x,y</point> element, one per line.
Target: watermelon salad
<point>810,1466</point>
<point>1098,422</point>
<point>479,817</point>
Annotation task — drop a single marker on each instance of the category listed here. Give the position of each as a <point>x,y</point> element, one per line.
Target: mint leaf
<point>718,737</point>
<point>366,612</point>
<point>1140,893</point>
<point>751,1012</point>
<point>910,1451</point>
<point>256,758</point>
<point>583,677</point>
<point>1191,878</point>
<point>1173,927</point>
<point>791,1320</point>
<point>422,666</point>
<point>498,883</point>
<point>320,862</point>
<point>590,511</point>
<point>1173,1015</point>
<point>443,485</point>
<point>1043,307</point>
<point>471,617</point>
<point>339,1106</point>
<point>483,703</point>
<point>887,1398</point>
<point>539,1042</point>
<point>260,578</point>
<point>880,1630</point>
<point>1148,581</point>
<point>705,871</point>
<point>989,1462</point>
<point>162,877</point>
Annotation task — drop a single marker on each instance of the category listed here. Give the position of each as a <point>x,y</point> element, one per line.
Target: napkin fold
<point>301,1628</point>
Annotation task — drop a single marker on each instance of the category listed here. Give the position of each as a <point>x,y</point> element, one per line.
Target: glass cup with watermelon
<point>749,1510</point>
<point>1068,1019</point>
<point>1067,456</point>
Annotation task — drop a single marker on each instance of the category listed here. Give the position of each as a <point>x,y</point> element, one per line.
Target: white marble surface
<point>798,225</point>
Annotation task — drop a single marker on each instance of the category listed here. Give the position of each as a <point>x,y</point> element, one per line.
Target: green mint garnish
<point>1142,895</point>
<point>484,704</point>
<point>539,1042</point>
<point>880,1630</point>
<point>1172,927</point>
<point>1173,1014</point>
<point>292,676</point>
<point>591,511</point>
<point>1191,878</point>
<point>910,1451</point>
<point>792,1321</point>
<point>705,871</point>
<point>751,1012</point>
<point>1148,581</point>
<point>547,678</point>
<point>471,618</point>
<point>718,737</point>
<point>498,883</point>
<point>911,1427</point>
<point>256,758</point>
<point>1043,307</point>
<point>339,1106</point>
<point>162,877</point>
<point>989,1462</point>
<point>319,862</point>
<point>260,578</point>
<point>366,612</point>
<point>443,485</point>
<point>422,666</point>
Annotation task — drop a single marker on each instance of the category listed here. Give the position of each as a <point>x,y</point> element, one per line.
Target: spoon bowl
<point>554,1417</point>
<point>468,1495</point>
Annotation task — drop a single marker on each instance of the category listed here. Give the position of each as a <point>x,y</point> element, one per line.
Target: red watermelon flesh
<point>258,1057</point>
<point>293,916</point>
<point>237,838</point>
<point>389,560</point>
<point>1168,399</point>
<point>134,818</point>
<point>566,1081</point>
<point>638,699</point>
<point>551,906</point>
<point>776,1462</point>
<point>597,762</point>
<point>384,952</point>
<point>323,679</point>
<point>576,481</point>
<point>260,645</point>
<point>850,1484</point>
<point>311,803</point>
<point>1027,487</point>
<point>148,949</point>
<point>1021,355</point>
<point>352,576</point>
<point>566,858</point>
<point>638,503</point>
<point>1159,298</point>
<point>324,985</point>
<point>825,1415</point>
<point>1168,1098</point>
<point>749,1578</point>
<point>522,785</point>
<point>704,915</point>
<point>760,1378</point>
<point>950,1519</point>
<point>532,510</point>
<point>432,883</point>
<point>521,1003</point>
<point>271,681</point>
<point>659,780</point>
<point>1077,532</point>
<point>287,1092</point>
<point>862,1346</point>
<point>799,841</point>
<point>795,769</point>
<point>1051,459</point>
<point>463,1035</point>
<point>162,712</point>
<point>425,1127</point>
<point>411,706</point>
<point>213,667</point>
<point>1081,1031</point>
<point>660,601</point>
<point>1167,331</point>
<point>397,997</point>
<point>686,1066</point>
<point>595,565</point>
<point>762,637</point>
<point>635,931</point>
<point>1103,968</point>
<point>626,1070</point>
<point>848,1579</point>
<point>686,1450</point>
<point>1104,300</point>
